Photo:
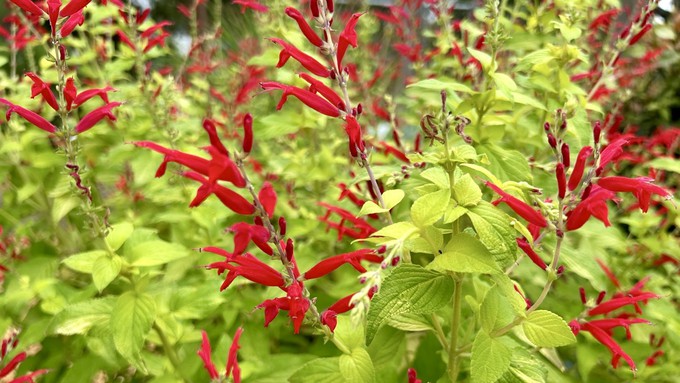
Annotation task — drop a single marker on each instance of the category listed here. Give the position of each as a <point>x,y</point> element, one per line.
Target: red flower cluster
<point>232,368</point>
<point>9,343</point>
<point>72,14</point>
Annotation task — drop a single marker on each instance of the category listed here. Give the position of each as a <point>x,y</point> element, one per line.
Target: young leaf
<point>427,209</point>
<point>349,334</point>
<point>408,289</point>
<point>490,358</point>
<point>83,262</point>
<point>437,176</point>
<point>131,320</point>
<point>104,270</point>
<point>465,254</point>
<point>392,197</point>
<point>547,329</point>
<point>119,234</point>
<point>496,311</point>
<point>466,192</point>
<point>79,317</point>
<point>371,207</point>
<point>157,252</point>
<point>483,58</point>
<point>357,366</point>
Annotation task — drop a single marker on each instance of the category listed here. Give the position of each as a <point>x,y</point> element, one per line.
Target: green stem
<point>439,331</point>
<point>453,367</point>
<point>171,354</point>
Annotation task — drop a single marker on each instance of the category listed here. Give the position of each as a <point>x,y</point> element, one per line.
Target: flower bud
<point>247,133</point>
<point>597,130</point>
<point>565,155</point>
<point>282,226</point>
<point>552,141</point>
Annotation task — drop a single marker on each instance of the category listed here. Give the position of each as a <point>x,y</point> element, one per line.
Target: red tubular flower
<point>249,267</point>
<point>347,193</point>
<point>244,233</point>
<point>125,40</point>
<point>639,35</point>
<point>232,361</point>
<point>307,61</point>
<point>330,264</point>
<point>215,142</point>
<point>272,308</point>
<point>413,376</point>
<point>308,98</point>
<point>579,167</point>
<point>309,33</point>
<point>641,187</point>
<point>298,305</point>
<point>610,323</point>
<point>595,204</point>
<point>353,130</point>
<point>564,149</point>
<point>329,316</point>
<point>616,303</point>
<point>361,229</point>
<point>42,88</point>
<point>198,164</point>
<point>53,14</point>
<point>608,272</point>
<point>30,116</point>
<point>267,197</point>
<point>520,207</point>
<point>604,338</point>
<point>204,353</point>
<point>314,7</point>
<point>221,167</point>
<point>152,29</point>
<point>85,95</point>
<point>28,6</point>
<point>252,4</point>
<point>92,118</point>
<point>247,133</point>
<point>389,149</point>
<point>72,7</point>
<point>347,37</point>
<point>611,152</point>
<point>282,226</point>
<point>329,94</point>
<point>73,21</point>
<point>9,367</point>
<point>229,198</point>
<point>523,244</point>
<point>561,181</point>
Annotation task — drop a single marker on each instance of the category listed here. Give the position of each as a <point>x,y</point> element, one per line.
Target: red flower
<point>247,133</point>
<point>73,6</point>
<point>267,197</point>
<point>641,187</point>
<point>307,61</point>
<point>204,353</point>
<point>579,167</point>
<point>73,21</point>
<point>617,303</point>
<point>347,37</point>
<point>247,266</point>
<point>88,94</point>
<point>42,88</point>
<point>608,272</point>
<point>28,6</point>
<point>252,4</point>
<point>413,376</point>
<point>232,361</point>
<point>361,229</point>
<point>329,94</point>
<point>595,204</point>
<point>309,33</point>
<point>353,130</point>
<point>523,244</point>
<point>604,338</point>
<point>30,116</point>
<point>308,98</point>
<point>561,181</point>
<point>244,233</point>
<point>520,207</point>
<point>92,118</point>
<point>332,263</point>
<point>229,198</point>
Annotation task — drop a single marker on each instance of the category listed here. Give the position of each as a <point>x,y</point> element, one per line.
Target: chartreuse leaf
<point>507,286</point>
<point>494,230</point>
<point>322,370</point>
<point>119,234</point>
<point>399,230</point>
<point>357,366</point>
<point>490,358</point>
<point>427,209</point>
<point>437,176</point>
<point>410,322</point>
<point>547,329</point>
<point>466,192</point>
<point>79,317</point>
<point>387,347</point>
<point>131,319</point>
<point>465,254</point>
<point>482,57</point>
<point>157,252</point>
<point>508,165</point>
<point>524,368</point>
<point>391,199</point>
<point>104,270</point>
<point>496,311</point>
<point>438,85</point>
<point>349,334</point>
<point>408,289</point>
<point>83,262</point>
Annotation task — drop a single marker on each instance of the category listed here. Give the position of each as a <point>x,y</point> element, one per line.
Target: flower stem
<point>453,367</point>
<point>171,354</point>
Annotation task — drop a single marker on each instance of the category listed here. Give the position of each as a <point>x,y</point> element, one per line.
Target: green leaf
<point>399,230</point>
<point>508,165</point>
<point>547,329</point>
<point>392,197</point>
<point>466,192</point>
<point>504,82</point>
<point>119,234</point>
<point>371,207</point>
<point>465,254</point>
<point>357,366</point>
<point>322,370</point>
<point>104,270</point>
<point>349,334</point>
<point>453,212</point>
<point>490,358</point>
<point>131,319</point>
<point>409,322</point>
<point>427,209</point>
<point>496,311</point>
<point>507,286</point>
<point>157,252</point>
<point>495,231</point>
<point>665,163</point>
<point>437,176</point>
<point>387,347</point>
<point>408,289</point>
<point>438,85</point>
<point>482,57</point>
<point>83,262</point>
<point>78,318</point>
<point>521,98</point>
